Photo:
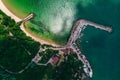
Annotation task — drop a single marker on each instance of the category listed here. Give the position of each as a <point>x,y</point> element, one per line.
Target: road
<point>72,45</point>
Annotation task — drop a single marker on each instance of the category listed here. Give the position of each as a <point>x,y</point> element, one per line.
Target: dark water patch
<point>103,12</point>
<point>40,25</point>
<point>102,49</point>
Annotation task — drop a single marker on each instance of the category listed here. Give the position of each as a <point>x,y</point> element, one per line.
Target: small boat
<point>87,68</point>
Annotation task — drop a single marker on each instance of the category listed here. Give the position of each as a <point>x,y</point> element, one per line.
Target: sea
<point>58,16</point>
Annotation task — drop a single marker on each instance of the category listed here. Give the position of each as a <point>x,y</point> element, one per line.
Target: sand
<point>17,19</point>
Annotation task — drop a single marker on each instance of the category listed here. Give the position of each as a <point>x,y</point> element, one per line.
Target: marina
<point>71,45</point>
<point>97,46</point>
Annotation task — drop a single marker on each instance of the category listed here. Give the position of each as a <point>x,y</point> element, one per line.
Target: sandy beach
<point>17,19</point>
<point>6,11</point>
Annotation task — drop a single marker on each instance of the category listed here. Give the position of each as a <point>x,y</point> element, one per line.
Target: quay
<point>72,46</point>
<point>86,22</point>
<point>82,24</point>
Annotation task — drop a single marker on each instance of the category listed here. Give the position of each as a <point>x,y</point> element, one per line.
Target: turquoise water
<point>101,48</point>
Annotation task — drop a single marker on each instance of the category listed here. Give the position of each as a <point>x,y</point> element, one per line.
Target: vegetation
<point>46,55</point>
<point>16,49</point>
<point>67,69</point>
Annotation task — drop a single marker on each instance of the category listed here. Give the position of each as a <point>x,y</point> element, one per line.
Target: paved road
<point>75,34</point>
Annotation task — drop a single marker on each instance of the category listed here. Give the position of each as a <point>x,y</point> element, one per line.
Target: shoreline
<point>8,12</point>
<point>17,19</point>
<point>13,9</point>
<point>38,39</point>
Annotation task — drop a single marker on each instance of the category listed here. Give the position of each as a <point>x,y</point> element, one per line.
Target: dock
<point>72,46</point>
<point>82,24</point>
<point>30,16</point>
<point>86,22</point>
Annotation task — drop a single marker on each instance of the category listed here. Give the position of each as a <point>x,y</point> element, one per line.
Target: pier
<point>82,24</point>
<point>86,22</point>
<point>72,47</point>
<point>30,16</point>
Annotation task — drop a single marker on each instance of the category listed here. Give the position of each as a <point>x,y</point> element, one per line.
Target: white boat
<point>87,68</point>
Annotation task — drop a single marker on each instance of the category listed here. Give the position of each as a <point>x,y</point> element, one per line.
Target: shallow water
<point>101,48</point>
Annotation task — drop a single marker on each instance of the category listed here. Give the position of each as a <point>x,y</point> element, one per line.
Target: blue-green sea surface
<point>57,16</point>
